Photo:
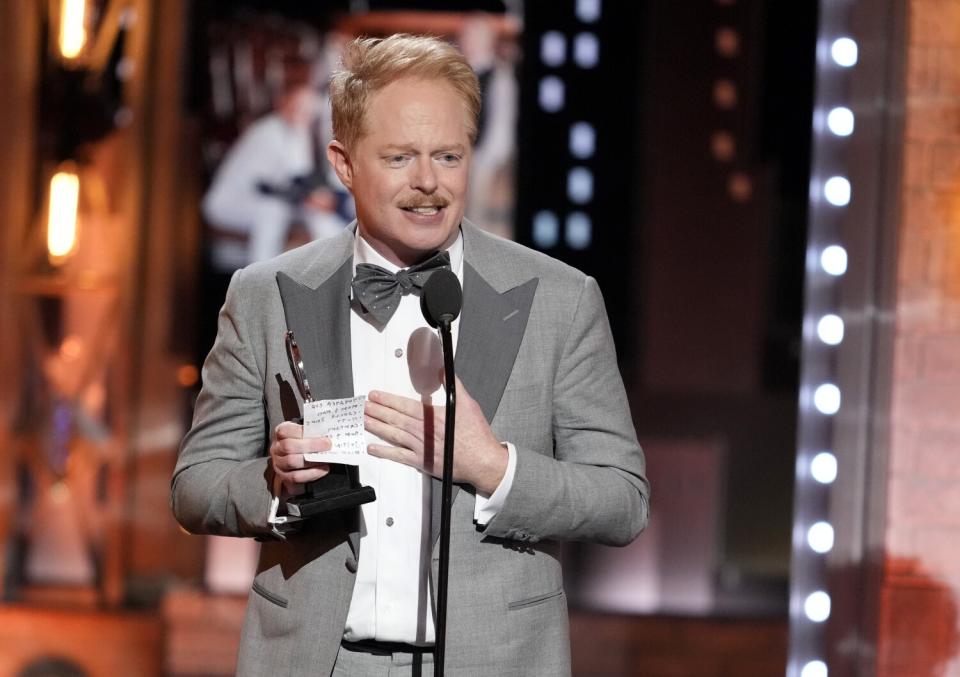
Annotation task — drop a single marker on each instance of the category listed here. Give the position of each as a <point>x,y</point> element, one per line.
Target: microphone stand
<point>440,301</point>
<point>447,491</point>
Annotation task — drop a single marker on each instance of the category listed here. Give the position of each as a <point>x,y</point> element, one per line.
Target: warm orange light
<point>62,213</point>
<point>73,35</point>
<point>71,348</point>
<point>187,375</point>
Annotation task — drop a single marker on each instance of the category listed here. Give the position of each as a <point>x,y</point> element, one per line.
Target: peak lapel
<point>320,321</point>
<point>491,329</point>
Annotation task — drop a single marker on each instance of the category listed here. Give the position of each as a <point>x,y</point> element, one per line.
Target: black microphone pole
<point>440,302</point>
<point>445,498</point>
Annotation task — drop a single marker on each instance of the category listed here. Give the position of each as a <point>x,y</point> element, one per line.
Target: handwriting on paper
<point>340,420</point>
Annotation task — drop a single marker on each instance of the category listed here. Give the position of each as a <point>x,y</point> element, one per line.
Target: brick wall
<point>918,617</point>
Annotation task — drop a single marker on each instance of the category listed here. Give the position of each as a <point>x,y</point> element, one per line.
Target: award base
<point>338,490</point>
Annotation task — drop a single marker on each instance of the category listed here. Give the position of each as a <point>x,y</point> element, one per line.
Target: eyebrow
<point>411,148</point>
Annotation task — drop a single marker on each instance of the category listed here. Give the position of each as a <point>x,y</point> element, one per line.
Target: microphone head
<point>441,297</point>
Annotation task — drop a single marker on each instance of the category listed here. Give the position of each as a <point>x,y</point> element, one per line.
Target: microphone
<point>441,298</point>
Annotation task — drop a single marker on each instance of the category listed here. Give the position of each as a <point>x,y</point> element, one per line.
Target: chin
<point>426,245</point>
<point>428,238</point>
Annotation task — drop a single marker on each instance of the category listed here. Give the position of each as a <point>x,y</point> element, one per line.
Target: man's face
<point>408,174</point>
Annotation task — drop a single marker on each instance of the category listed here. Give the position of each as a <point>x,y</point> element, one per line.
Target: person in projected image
<point>268,190</point>
<point>545,447</point>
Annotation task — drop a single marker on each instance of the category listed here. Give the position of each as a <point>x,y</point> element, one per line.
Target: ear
<point>340,159</point>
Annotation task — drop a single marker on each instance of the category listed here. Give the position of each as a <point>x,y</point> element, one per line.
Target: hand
<point>286,454</point>
<point>416,431</point>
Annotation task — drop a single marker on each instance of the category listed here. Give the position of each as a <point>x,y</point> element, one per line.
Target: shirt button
<point>398,352</point>
<point>389,521</point>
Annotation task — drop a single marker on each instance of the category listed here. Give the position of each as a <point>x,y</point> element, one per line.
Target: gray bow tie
<point>379,291</point>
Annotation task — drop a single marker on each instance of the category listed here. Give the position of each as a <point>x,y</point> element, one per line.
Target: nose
<point>424,177</point>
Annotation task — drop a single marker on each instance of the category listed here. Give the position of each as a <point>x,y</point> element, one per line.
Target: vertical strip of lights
<point>579,55</point>
<point>821,398</point>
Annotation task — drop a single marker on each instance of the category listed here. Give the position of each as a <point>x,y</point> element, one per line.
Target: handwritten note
<point>341,421</point>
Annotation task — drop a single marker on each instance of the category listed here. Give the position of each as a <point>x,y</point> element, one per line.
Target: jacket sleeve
<point>221,483</point>
<point>592,487</point>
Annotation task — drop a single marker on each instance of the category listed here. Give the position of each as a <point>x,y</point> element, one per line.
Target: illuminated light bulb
<point>844,52</point>
<point>551,93</point>
<point>725,94</point>
<point>72,33</point>
<point>71,348</point>
<point>823,467</point>
<point>546,229</point>
<point>588,11</point>
<point>723,145</point>
<point>586,50</point>
<point>826,398</point>
<point>814,669</point>
<point>579,231</point>
<point>553,48</point>
<point>580,185</point>
<point>187,375</point>
<point>727,42</point>
<point>837,191</point>
<point>583,140</point>
<point>833,260</point>
<point>817,606</point>
<point>830,329</point>
<point>62,213</point>
<point>820,537</point>
<point>740,187</point>
<point>840,121</point>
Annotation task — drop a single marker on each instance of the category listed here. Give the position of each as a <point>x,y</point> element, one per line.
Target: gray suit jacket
<point>534,350</point>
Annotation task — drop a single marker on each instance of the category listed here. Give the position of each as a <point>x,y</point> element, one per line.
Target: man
<point>544,449</point>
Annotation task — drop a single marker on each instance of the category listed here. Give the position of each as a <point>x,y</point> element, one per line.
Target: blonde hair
<point>370,64</point>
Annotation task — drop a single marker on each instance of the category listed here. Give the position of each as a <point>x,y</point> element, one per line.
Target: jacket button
<point>351,564</point>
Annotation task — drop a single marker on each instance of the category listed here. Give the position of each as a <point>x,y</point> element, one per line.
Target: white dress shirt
<point>391,597</point>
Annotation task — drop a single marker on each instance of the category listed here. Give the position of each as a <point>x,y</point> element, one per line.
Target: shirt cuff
<point>485,509</point>
<point>280,525</point>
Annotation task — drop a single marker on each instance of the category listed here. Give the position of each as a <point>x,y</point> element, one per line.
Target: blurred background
<point>767,193</point>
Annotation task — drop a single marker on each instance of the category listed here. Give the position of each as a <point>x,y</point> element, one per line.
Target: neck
<point>397,254</point>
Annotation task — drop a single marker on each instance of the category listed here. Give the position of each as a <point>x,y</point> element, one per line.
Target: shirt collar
<point>363,252</point>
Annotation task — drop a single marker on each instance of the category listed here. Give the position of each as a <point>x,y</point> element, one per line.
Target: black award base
<point>338,490</point>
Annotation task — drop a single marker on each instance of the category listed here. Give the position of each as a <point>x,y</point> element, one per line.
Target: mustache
<point>424,201</point>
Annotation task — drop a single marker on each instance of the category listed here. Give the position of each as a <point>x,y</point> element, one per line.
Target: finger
<point>294,462</point>
<point>398,454</point>
<point>319,444</point>
<point>404,405</point>
<point>289,462</point>
<point>293,446</point>
<point>393,435</point>
<point>288,429</point>
<point>305,475</point>
<point>412,425</point>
